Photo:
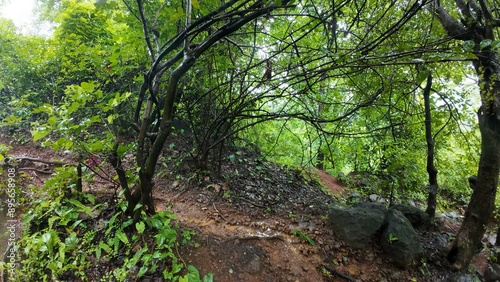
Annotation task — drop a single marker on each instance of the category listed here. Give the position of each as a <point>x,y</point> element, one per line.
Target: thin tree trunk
<point>431,169</point>
<point>497,240</point>
<point>482,201</point>
<point>79,184</point>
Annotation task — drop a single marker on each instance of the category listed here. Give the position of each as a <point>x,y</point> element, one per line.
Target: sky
<point>21,12</point>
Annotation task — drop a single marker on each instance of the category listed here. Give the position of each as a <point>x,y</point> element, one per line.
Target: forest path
<point>240,240</point>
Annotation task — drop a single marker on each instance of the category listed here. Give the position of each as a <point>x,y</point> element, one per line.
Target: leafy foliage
<point>70,237</point>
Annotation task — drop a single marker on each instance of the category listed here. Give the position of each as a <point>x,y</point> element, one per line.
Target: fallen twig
<point>338,273</point>
<point>36,170</point>
<point>274,237</point>
<point>218,212</point>
<point>184,190</point>
<point>252,203</point>
<point>42,161</point>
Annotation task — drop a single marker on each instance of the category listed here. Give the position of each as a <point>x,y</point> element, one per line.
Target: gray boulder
<point>416,216</point>
<point>492,273</point>
<point>463,277</point>
<point>400,241</point>
<point>355,225</point>
<point>370,205</point>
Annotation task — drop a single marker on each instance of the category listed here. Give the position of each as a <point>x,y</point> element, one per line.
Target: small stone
<point>255,265</point>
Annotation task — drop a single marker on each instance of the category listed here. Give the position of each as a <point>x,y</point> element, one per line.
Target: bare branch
<point>145,29</point>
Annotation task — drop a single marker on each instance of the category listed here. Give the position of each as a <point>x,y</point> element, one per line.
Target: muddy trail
<point>255,221</point>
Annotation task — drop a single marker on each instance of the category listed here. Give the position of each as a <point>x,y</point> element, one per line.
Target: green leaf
<point>111,118</point>
<point>52,120</point>
<point>495,44</point>
<point>142,271</point>
<point>71,241</point>
<point>46,237</point>
<point>485,43</point>
<point>422,76</point>
<point>208,278</point>
<point>73,107</point>
<point>157,223</point>
<point>89,87</point>
<point>468,45</point>
<point>121,150</point>
<point>140,226</point>
<point>45,108</point>
<point>195,4</point>
<point>122,237</point>
<point>39,134</point>
<point>193,271</point>
<point>105,247</point>
<point>138,206</point>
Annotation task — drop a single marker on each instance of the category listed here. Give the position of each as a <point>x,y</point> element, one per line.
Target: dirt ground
<point>258,221</point>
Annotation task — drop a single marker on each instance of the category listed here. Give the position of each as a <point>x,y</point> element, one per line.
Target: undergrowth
<point>78,237</point>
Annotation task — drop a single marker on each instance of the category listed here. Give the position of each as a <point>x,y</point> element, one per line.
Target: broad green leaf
<point>468,45</point>
<point>46,237</point>
<point>87,86</point>
<point>110,119</point>
<point>208,278</point>
<point>71,241</point>
<point>195,4</point>
<point>140,226</point>
<point>142,271</point>
<point>52,120</point>
<point>485,43</point>
<point>422,76</point>
<point>157,223</point>
<point>73,107</point>
<point>45,108</point>
<point>39,134</point>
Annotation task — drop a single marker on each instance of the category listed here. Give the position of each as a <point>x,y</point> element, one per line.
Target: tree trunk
<point>320,159</point>
<point>497,240</point>
<point>478,27</point>
<point>431,169</point>
<point>482,201</point>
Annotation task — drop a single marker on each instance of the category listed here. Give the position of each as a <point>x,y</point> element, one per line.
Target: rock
<point>452,215</point>
<point>462,277</point>
<point>376,198</point>
<point>355,225</point>
<point>254,265</point>
<point>355,195</point>
<point>492,273</point>
<point>369,205</point>
<point>399,240</point>
<point>416,216</point>
<point>373,197</point>
<point>412,203</point>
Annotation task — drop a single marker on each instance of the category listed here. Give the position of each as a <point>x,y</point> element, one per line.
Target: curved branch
<point>453,27</point>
